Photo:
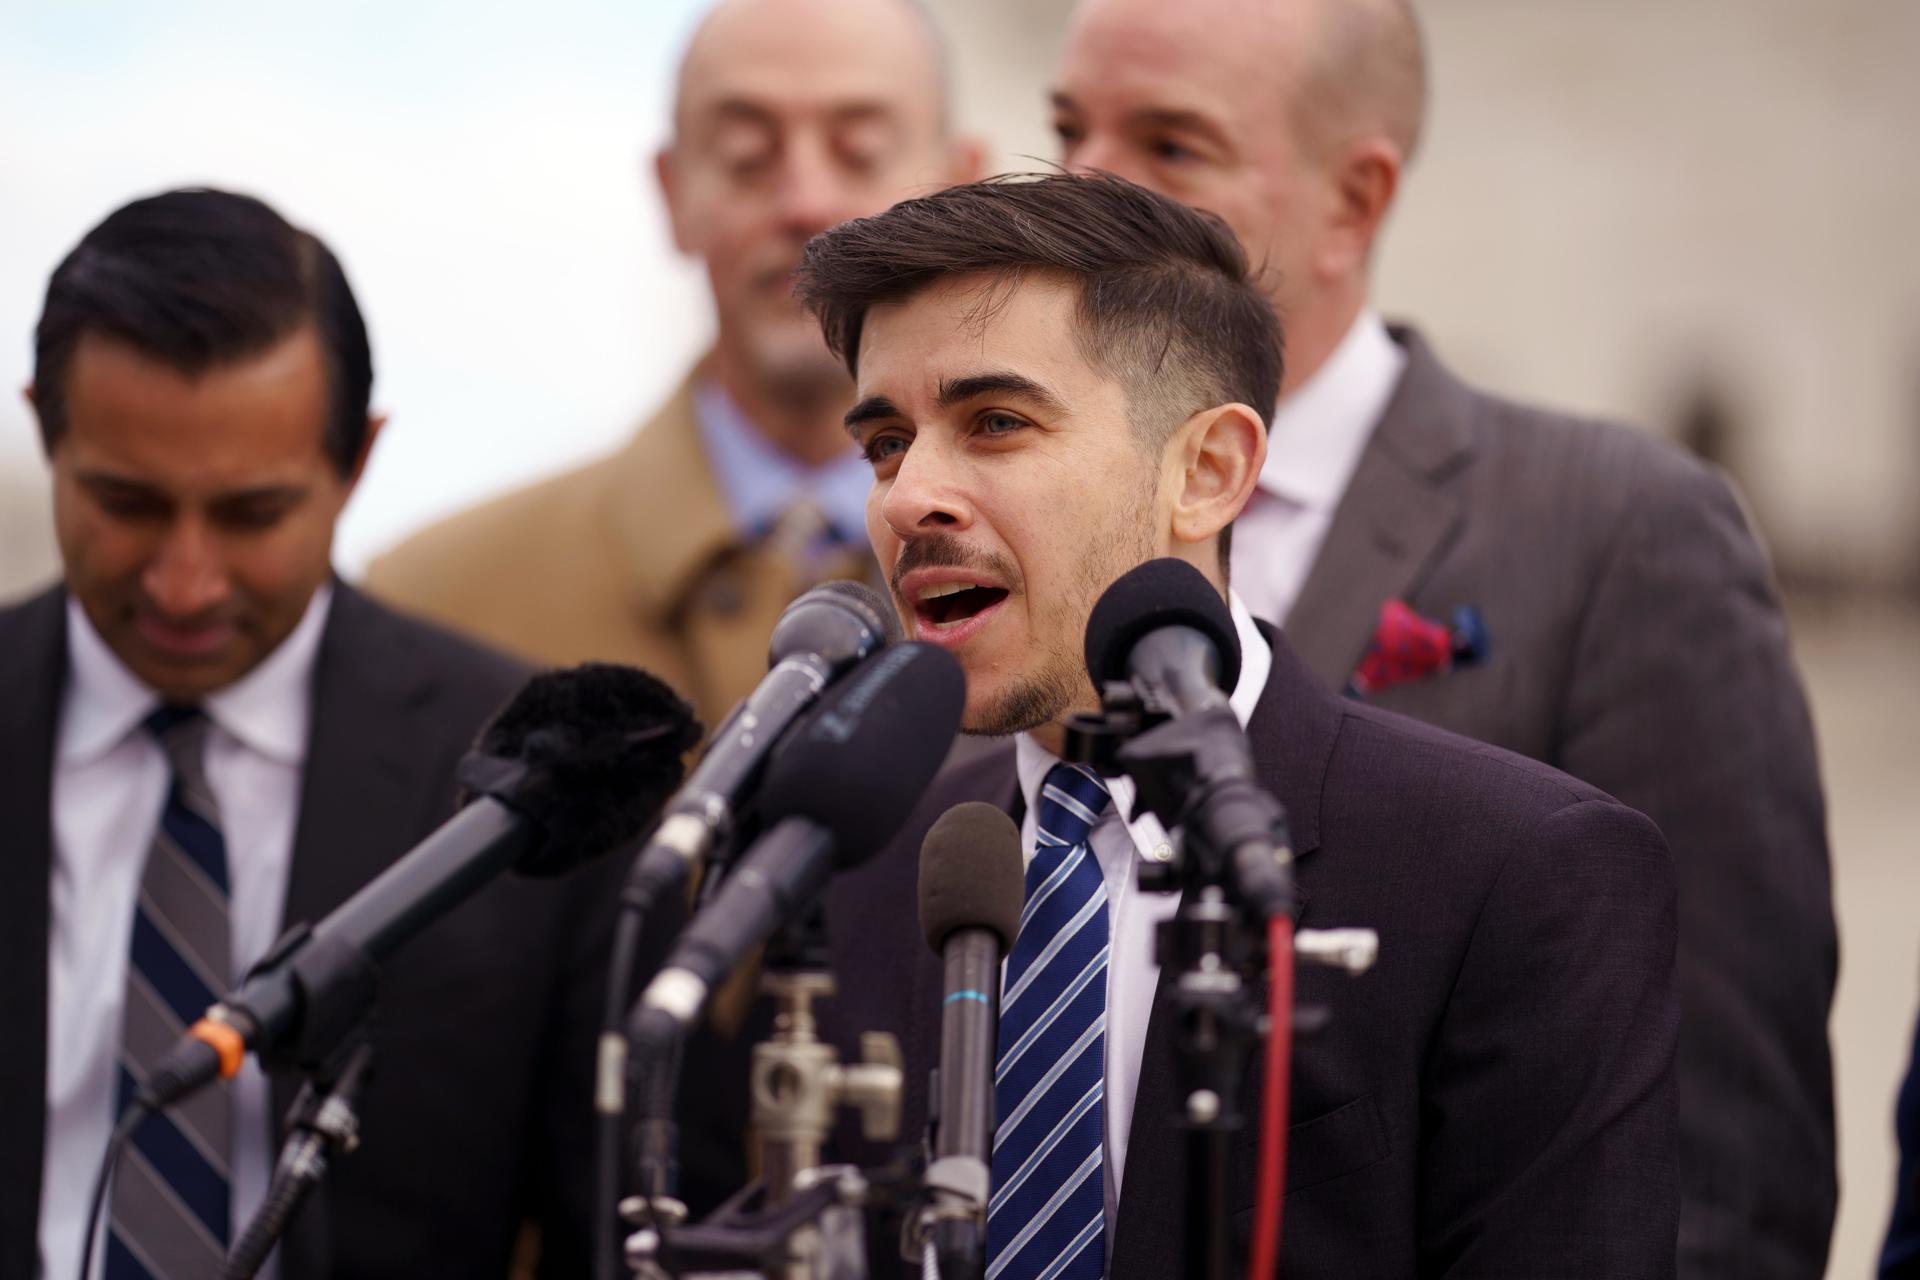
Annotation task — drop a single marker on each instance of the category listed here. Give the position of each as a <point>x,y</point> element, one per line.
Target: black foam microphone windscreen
<point>1160,593</point>
<point>590,754</point>
<point>971,875</point>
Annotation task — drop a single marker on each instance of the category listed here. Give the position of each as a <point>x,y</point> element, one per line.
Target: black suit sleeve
<point>1548,1112</point>
<point>1687,707</point>
<point>1900,1257</point>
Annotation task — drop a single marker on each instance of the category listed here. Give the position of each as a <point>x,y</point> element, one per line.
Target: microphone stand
<point>1233,870</point>
<point>321,1124</point>
<point>801,1220</point>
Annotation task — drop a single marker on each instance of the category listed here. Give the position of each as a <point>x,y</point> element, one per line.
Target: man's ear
<point>375,421</point>
<point>966,160</point>
<point>669,179</point>
<point>1364,182</point>
<point>31,394</point>
<point>1219,452</point>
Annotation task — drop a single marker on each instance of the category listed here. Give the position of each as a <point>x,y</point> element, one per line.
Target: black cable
<point>608,1130</point>
<point>130,1119</point>
<point>298,1170</point>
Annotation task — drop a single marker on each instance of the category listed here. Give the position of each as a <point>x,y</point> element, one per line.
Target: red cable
<point>1273,1103</point>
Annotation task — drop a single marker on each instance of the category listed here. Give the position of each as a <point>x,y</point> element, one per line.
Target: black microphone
<point>1163,627</point>
<point>821,636</point>
<point>972,888</point>
<point>575,765</point>
<point>1165,630</point>
<point>836,791</point>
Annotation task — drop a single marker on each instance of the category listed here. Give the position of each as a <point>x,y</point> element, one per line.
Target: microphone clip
<point>1195,773</point>
<point>1095,739</point>
<point>330,982</point>
<point>322,1125</point>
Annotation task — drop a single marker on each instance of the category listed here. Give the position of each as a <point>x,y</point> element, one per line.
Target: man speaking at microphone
<point>1054,380</point>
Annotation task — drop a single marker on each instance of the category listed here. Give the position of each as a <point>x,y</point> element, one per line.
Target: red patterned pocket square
<point>1407,647</point>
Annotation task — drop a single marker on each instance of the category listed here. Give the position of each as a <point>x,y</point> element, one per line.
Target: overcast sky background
<point>483,171</point>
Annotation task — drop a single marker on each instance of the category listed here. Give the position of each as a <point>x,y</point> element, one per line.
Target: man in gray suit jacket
<point>1572,590</point>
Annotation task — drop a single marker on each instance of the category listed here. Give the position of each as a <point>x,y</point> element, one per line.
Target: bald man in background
<point>678,552</point>
<point>1582,593</point>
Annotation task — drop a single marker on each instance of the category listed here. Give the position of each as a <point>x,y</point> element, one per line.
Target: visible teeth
<point>945,589</point>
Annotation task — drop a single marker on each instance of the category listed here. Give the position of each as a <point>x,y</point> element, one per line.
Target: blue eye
<point>1000,424</point>
<point>881,448</point>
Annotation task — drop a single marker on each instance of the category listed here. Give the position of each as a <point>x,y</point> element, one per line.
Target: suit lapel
<point>359,801</point>
<point>1292,731</point>
<point>33,638</point>
<point>1400,510</point>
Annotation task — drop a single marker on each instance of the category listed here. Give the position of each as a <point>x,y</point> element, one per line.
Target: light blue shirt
<point>759,482</point>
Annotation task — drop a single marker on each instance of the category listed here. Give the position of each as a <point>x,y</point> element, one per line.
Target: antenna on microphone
<point>972,889</point>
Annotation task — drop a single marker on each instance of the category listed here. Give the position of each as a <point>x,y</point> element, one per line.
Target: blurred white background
<point>1693,214</point>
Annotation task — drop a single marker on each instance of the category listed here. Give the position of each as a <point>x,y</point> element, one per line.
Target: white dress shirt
<point>1120,847</point>
<point>1313,446</point>
<point>109,787</point>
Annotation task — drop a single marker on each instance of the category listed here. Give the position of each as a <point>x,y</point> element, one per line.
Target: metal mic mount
<point>321,1124</point>
<point>798,1082</point>
<point>801,1220</point>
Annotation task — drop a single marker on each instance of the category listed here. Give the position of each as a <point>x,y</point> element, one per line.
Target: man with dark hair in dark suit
<point>204,737</point>
<point>1582,593</point>
<point>1057,380</point>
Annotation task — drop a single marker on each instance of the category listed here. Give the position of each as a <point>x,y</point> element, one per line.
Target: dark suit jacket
<point>1494,1099</point>
<point>478,1112</point>
<point>1900,1257</point>
<point>1637,645</point>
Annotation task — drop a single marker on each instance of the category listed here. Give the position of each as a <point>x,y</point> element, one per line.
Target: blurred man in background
<point>204,737</point>
<point>678,552</point>
<point>1567,589</point>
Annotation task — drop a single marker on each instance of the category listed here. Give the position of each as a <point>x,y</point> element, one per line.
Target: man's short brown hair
<point>1167,304</point>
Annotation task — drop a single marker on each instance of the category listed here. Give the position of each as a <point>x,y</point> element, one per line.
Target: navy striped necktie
<point>1047,1217</point>
<point>170,1201</point>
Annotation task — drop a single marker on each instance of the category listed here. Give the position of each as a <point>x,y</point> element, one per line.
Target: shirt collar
<point>759,482</point>
<point>1319,430</point>
<point>1033,761</point>
<point>267,709</point>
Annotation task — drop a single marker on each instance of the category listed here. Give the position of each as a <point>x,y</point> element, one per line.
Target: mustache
<point>944,551</point>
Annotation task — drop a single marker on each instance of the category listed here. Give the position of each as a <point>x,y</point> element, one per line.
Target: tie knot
<point>1072,800</point>
<point>181,732</point>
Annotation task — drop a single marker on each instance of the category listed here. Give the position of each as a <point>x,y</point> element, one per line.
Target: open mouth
<point>949,604</point>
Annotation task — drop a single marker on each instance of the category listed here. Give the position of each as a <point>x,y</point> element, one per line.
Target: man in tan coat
<point>678,552</point>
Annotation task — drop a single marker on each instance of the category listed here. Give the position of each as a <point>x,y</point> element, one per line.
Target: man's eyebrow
<point>998,383</point>
<point>1177,118</point>
<point>264,493</point>
<point>1181,121</point>
<point>872,409</point>
<point>862,110</point>
<point>95,479</point>
<point>726,110</point>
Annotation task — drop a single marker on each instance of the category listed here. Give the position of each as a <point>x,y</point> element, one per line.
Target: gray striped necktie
<point>170,1194</point>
